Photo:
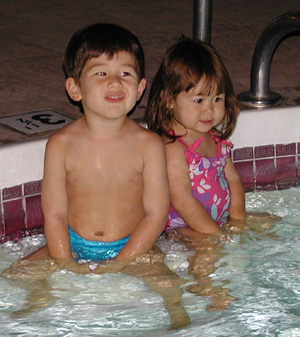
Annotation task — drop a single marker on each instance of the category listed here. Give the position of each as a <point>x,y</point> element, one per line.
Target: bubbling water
<point>260,269</point>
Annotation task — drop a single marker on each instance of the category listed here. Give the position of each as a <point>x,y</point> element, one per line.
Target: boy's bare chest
<point>100,164</point>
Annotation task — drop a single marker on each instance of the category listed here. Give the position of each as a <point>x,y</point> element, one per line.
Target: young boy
<point>105,187</point>
<point>105,193</point>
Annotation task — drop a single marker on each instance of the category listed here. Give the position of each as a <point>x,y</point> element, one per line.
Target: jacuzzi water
<point>263,273</point>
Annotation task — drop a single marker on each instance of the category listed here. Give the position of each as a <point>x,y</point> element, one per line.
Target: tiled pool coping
<point>267,167</point>
<point>266,154</point>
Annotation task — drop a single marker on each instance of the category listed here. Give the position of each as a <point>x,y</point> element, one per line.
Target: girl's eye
<point>124,73</point>
<point>219,98</point>
<point>198,100</point>
<point>101,73</point>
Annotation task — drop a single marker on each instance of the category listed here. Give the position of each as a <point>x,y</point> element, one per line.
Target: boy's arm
<point>54,200</point>
<point>156,200</point>
<point>186,205</point>
<point>237,203</point>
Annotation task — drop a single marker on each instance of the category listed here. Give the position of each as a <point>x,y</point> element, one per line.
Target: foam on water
<point>262,272</point>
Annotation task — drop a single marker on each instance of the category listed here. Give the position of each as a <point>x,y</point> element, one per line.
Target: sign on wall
<point>36,121</point>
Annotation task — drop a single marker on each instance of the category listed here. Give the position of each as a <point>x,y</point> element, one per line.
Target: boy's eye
<point>124,73</point>
<point>198,100</point>
<point>101,73</point>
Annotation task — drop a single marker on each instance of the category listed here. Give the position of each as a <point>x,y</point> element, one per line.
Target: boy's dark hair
<point>181,69</point>
<point>97,39</point>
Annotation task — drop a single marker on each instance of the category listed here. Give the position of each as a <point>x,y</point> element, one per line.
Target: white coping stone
<point>21,162</point>
<point>266,127</point>
<point>24,162</point>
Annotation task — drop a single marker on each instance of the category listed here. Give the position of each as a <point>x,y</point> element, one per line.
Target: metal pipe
<point>202,19</point>
<point>260,94</point>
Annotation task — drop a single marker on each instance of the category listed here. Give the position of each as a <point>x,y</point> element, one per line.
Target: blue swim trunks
<point>94,250</point>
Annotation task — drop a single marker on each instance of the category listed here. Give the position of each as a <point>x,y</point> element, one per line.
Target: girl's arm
<point>189,208</point>
<point>237,204</point>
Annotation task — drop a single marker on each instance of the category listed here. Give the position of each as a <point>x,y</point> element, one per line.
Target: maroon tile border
<point>265,172</point>
<point>1,223</point>
<point>264,151</point>
<point>12,192</point>
<point>242,154</point>
<point>34,214</point>
<point>33,187</point>
<point>265,167</point>
<point>286,170</point>
<point>246,173</point>
<point>274,166</point>
<point>20,210</point>
<point>286,149</point>
<point>13,216</point>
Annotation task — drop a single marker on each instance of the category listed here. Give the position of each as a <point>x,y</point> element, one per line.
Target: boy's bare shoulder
<point>144,135</point>
<point>64,135</point>
<point>172,146</point>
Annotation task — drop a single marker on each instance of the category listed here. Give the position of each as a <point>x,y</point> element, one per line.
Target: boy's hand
<point>110,266</point>
<point>73,266</point>
<point>30,269</point>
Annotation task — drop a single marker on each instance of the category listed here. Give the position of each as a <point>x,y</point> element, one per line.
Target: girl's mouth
<point>207,122</point>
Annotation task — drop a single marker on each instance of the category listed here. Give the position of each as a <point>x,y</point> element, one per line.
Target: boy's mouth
<point>114,98</point>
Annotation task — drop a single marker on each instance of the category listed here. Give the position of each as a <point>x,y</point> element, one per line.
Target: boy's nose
<point>114,81</point>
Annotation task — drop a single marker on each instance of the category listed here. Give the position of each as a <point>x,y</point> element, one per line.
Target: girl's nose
<point>208,106</point>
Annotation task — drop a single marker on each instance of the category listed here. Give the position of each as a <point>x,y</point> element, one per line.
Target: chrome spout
<point>202,20</point>
<point>260,94</point>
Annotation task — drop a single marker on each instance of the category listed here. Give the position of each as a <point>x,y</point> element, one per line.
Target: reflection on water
<point>259,269</point>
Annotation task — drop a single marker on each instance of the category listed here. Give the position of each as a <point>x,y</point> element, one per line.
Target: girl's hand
<point>236,226</point>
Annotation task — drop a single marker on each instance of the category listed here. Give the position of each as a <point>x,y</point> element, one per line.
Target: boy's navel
<point>99,233</point>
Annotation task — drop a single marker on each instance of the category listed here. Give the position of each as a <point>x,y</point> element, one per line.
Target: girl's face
<point>198,112</point>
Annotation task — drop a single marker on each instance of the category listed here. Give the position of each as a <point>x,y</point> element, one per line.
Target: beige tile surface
<point>33,35</point>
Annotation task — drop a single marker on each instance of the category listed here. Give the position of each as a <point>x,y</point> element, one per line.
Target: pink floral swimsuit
<point>209,184</point>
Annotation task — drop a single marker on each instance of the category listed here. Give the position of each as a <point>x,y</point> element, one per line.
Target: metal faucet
<point>202,20</point>
<point>259,94</point>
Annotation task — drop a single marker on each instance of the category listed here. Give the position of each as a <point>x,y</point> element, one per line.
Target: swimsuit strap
<point>190,150</point>
<point>219,140</point>
<point>194,146</point>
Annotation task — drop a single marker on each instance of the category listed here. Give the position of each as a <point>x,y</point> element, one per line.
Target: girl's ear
<point>73,89</point>
<point>170,100</point>
<point>170,103</point>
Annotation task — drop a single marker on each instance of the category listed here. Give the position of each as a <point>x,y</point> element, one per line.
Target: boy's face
<point>108,88</point>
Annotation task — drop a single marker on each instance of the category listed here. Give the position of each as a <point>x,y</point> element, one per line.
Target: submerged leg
<point>31,275</point>
<point>38,296</point>
<point>207,252</point>
<point>151,269</point>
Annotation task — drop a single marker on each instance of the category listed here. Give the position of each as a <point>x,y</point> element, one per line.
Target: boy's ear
<point>73,89</point>
<point>141,87</point>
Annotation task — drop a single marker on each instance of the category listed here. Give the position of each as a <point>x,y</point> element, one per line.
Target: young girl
<point>193,107</point>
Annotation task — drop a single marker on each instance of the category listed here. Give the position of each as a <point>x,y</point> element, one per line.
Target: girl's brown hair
<point>181,69</point>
